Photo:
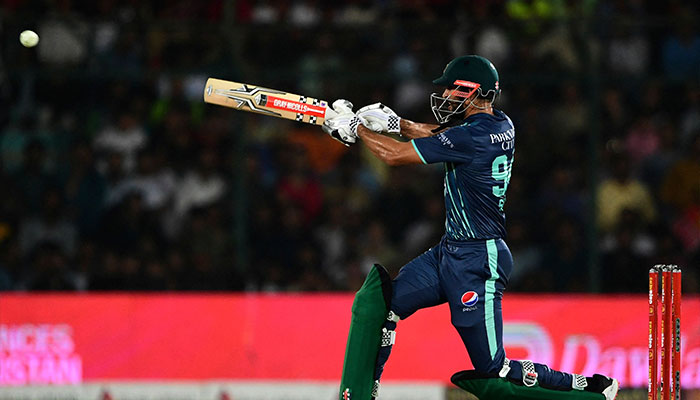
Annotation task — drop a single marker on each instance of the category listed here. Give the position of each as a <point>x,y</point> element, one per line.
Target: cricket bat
<point>276,103</point>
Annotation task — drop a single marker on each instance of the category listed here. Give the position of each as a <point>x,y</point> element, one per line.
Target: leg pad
<point>369,312</point>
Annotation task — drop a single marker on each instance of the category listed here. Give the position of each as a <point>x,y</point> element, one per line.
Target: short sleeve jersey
<point>478,157</point>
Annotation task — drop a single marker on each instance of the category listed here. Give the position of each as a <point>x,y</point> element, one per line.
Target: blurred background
<point>116,176</point>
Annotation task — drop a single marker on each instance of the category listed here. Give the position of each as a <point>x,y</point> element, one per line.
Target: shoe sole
<point>610,392</point>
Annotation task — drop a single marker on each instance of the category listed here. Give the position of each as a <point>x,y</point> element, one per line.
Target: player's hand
<point>380,118</point>
<point>342,126</point>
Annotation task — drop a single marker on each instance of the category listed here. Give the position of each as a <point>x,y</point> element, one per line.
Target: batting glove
<point>380,118</point>
<point>342,126</point>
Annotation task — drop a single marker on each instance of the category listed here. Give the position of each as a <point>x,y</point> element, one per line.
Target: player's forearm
<point>381,146</point>
<point>414,130</point>
<point>387,149</point>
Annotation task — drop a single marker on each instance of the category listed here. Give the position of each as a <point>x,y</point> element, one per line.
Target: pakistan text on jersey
<point>506,139</point>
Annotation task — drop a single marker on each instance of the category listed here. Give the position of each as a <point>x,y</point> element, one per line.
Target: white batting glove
<point>380,118</point>
<point>342,126</point>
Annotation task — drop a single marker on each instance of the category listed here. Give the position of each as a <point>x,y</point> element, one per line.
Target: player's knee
<point>374,297</point>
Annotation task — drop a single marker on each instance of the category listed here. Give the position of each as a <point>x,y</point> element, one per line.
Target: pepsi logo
<point>470,298</point>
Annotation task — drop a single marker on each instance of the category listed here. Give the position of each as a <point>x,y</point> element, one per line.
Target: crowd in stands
<point>116,176</point>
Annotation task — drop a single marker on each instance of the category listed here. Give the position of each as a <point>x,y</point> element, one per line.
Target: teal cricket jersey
<point>478,157</point>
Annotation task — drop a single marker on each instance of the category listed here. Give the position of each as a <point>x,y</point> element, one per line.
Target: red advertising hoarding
<point>87,337</point>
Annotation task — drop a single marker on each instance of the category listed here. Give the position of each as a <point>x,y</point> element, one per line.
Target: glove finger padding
<point>370,107</point>
<point>342,138</point>
<point>380,118</point>
<point>342,123</point>
<point>372,125</point>
<point>342,128</point>
<point>342,106</point>
<point>330,113</point>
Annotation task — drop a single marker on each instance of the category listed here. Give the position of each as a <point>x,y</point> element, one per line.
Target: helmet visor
<point>444,108</point>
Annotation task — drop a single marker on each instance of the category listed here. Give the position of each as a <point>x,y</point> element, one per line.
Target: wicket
<point>665,351</point>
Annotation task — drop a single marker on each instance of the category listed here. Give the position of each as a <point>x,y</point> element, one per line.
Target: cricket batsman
<point>469,268</point>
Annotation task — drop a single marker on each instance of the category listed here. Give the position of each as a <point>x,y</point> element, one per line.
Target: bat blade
<point>272,102</point>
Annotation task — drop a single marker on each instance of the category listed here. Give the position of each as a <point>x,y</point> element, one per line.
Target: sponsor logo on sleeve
<point>445,141</point>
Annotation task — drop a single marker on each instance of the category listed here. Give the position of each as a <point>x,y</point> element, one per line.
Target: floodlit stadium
<point>349,200</point>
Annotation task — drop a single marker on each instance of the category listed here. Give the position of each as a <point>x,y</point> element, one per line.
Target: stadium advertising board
<point>84,338</point>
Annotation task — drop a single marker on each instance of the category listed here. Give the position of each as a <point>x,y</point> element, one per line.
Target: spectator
<point>655,166</point>
<point>615,116</point>
<point>264,12</point>
<point>426,229</point>
<point>311,277</point>
<point>156,275</point>
<point>681,186</point>
<point>620,192</point>
<point>205,234</point>
<point>527,272</point>
<point>10,210</point>
<point>556,50</point>
<point>628,52</point>
<point>108,276</point>
<point>304,13</point>
<point>50,226</point>
<point>201,186</point>
<point>125,138</point>
<point>681,193</point>
<point>333,239</point>
<point>569,116</point>
<point>64,35</point>
<point>298,187</point>
<point>361,12</point>
<point>126,224</point>
<point>176,266</point>
<point>562,194</point>
<point>6,279</point>
<point>13,143</point>
<point>681,52</point>
<point>321,64</point>
<point>377,248</point>
<point>408,69</point>
<point>86,263</point>
<point>642,140</point>
<point>200,194</point>
<point>493,43</point>
<point>565,258</point>
<point>152,179</point>
<point>690,119</point>
<point>33,179</point>
<point>51,270</point>
<point>84,190</point>
<point>623,252</point>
